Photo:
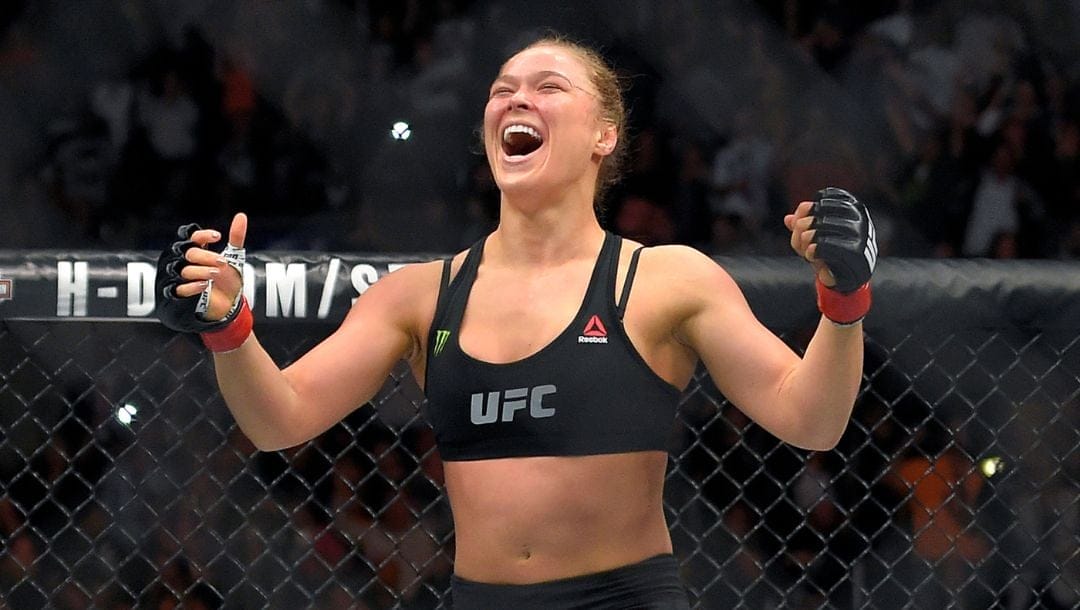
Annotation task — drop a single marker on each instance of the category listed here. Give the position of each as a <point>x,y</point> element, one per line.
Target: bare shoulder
<point>404,299</point>
<point>422,276</point>
<point>684,272</point>
<point>680,256</point>
<point>676,285</point>
<point>399,299</point>
<point>410,282</point>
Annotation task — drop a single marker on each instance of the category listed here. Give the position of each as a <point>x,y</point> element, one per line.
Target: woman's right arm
<point>278,408</point>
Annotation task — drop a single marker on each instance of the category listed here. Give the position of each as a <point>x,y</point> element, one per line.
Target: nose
<point>520,99</point>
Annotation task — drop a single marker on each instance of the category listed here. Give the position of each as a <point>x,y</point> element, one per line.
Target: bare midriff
<point>528,520</point>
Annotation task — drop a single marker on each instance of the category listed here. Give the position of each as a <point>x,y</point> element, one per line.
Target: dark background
<point>955,120</point>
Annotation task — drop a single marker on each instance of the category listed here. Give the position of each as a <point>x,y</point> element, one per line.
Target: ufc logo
<point>509,402</point>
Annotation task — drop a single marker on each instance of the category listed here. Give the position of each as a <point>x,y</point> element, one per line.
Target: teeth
<point>519,129</point>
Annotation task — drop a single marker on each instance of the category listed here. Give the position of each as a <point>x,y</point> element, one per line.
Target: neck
<point>546,234</point>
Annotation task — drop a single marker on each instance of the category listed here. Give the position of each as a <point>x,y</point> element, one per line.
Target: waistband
<point>652,584</point>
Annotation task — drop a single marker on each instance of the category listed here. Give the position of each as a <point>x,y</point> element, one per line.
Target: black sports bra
<point>587,392</point>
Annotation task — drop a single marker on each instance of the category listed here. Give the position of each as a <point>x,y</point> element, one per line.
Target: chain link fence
<point>127,484</point>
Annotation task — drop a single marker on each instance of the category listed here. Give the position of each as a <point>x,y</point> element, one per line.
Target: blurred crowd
<point>984,119</point>
<point>969,131</point>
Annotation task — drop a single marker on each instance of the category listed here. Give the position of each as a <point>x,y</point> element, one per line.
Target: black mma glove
<point>845,238</point>
<point>847,245</point>
<point>182,313</point>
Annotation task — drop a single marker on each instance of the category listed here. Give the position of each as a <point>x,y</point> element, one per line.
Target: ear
<point>607,140</point>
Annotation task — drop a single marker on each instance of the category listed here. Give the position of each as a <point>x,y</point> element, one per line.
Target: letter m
<point>286,287</point>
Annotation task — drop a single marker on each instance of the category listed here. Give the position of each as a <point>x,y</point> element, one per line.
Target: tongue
<point>520,144</point>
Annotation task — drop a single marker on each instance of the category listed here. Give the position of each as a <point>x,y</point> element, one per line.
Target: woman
<point>552,353</point>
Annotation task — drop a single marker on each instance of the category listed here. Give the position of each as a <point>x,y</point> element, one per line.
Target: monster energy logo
<point>440,340</point>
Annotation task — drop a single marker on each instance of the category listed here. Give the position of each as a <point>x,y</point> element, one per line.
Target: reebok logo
<point>594,331</point>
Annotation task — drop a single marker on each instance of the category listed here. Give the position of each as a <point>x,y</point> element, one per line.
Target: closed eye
<point>544,82</point>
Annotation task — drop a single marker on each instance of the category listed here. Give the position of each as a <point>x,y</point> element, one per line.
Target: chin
<point>519,175</point>
<point>519,187</point>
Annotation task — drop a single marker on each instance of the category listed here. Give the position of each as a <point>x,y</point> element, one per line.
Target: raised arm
<point>279,408</point>
<point>803,401</point>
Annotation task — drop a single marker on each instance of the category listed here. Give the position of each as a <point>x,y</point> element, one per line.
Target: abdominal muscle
<point>528,520</point>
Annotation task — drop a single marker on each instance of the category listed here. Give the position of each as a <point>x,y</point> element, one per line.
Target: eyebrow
<point>537,75</point>
<point>541,75</point>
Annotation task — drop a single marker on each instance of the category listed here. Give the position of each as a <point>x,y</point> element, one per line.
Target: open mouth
<point>520,140</point>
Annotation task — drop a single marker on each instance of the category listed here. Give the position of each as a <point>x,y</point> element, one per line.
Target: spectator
<point>168,116</point>
<point>77,172</point>
<point>940,486</point>
<point>1002,203</point>
<point>1063,192</point>
<point>113,101</point>
<point>741,172</point>
<point>644,220</point>
<point>691,208</point>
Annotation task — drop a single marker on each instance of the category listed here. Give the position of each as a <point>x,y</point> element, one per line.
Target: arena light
<point>991,466</point>
<point>400,131</point>
<point>126,414</point>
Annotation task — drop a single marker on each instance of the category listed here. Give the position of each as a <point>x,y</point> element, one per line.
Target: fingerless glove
<point>185,314</point>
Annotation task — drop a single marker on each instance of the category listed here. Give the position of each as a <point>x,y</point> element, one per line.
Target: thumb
<point>238,230</point>
<point>826,276</point>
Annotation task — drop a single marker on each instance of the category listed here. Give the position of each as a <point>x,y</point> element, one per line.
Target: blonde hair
<point>612,108</point>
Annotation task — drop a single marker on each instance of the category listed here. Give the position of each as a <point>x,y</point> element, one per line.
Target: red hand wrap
<point>843,308</point>
<point>233,335</point>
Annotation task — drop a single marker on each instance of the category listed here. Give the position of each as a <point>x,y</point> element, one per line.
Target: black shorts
<point>652,584</point>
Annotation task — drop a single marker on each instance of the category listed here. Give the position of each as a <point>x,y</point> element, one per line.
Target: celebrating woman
<point>552,353</point>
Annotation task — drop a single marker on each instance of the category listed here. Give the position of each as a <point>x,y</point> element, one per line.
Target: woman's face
<point>542,125</point>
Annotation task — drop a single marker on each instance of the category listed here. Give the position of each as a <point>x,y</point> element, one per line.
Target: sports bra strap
<point>620,306</point>
<point>444,284</point>
<point>448,287</point>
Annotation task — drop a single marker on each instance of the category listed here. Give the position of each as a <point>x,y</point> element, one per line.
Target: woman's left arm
<point>803,401</point>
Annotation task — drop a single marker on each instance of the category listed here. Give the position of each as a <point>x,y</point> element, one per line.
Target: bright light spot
<point>126,414</point>
<point>991,466</point>
<point>400,131</point>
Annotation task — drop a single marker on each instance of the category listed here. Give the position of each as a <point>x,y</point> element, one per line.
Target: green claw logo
<point>440,340</point>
